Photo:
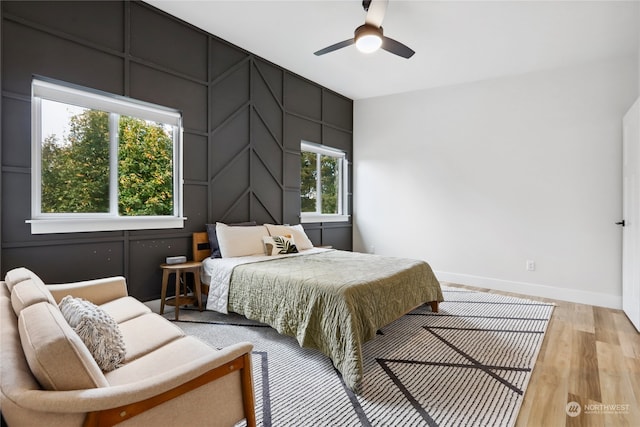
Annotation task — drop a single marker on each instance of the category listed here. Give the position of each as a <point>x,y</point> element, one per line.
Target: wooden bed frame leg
<point>434,306</point>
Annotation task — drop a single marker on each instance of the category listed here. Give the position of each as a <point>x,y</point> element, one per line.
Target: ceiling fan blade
<point>376,12</point>
<point>397,48</point>
<point>333,47</point>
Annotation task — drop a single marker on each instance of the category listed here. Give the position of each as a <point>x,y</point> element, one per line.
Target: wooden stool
<point>181,270</point>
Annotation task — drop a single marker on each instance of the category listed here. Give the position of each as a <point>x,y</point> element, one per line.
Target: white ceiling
<point>455,41</point>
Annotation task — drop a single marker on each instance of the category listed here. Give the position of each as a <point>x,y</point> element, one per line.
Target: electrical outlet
<point>531,265</point>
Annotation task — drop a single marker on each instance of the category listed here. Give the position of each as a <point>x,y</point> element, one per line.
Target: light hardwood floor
<point>590,355</point>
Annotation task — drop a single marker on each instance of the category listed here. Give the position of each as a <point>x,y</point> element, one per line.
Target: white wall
<point>478,178</point>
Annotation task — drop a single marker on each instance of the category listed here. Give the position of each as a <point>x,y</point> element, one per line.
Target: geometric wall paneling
<point>194,152</point>
<point>267,102</point>
<point>337,139</point>
<point>166,89</point>
<point>302,97</point>
<point>292,167</point>
<point>144,281</point>
<point>267,148</point>
<point>292,206</point>
<point>272,76</point>
<point>61,263</point>
<point>240,211</point>
<point>228,140</point>
<point>337,111</point>
<point>266,189</point>
<point>40,53</point>
<point>16,132</point>
<point>230,185</point>
<point>196,207</point>
<point>158,38</point>
<point>16,206</point>
<point>298,129</point>
<point>229,93</point>
<point>260,213</point>
<point>223,56</point>
<point>244,118</point>
<point>96,22</point>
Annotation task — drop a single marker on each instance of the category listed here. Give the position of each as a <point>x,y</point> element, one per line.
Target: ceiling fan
<point>369,36</point>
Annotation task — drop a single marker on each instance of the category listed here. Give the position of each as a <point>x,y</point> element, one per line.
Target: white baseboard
<point>544,291</point>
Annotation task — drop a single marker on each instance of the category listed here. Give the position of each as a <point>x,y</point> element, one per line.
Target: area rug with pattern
<point>467,365</point>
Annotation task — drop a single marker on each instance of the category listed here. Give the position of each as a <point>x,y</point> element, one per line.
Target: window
<point>102,162</point>
<point>324,184</point>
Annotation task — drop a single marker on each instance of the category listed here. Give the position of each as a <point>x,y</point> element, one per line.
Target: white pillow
<point>97,330</point>
<point>279,245</point>
<point>297,231</point>
<point>240,241</point>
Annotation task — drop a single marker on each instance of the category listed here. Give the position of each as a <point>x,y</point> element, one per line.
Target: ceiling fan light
<point>368,38</point>
<point>369,43</point>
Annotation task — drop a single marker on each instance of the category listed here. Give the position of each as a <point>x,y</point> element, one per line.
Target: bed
<point>327,299</point>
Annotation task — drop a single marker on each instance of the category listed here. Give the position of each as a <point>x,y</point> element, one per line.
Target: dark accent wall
<point>244,119</point>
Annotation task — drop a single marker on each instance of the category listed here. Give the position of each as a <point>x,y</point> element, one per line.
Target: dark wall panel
<point>230,93</point>
<point>338,237</point>
<point>163,88</point>
<point>145,281</point>
<point>298,129</point>
<point>95,22</point>
<point>244,119</point>
<point>338,139</point>
<point>167,42</point>
<point>229,140</point>
<point>303,97</point>
<point>195,157</point>
<point>273,77</point>
<point>223,56</point>
<point>60,263</point>
<point>337,111</point>
<point>28,51</point>
<point>195,207</point>
<point>16,207</point>
<point>16,133</point>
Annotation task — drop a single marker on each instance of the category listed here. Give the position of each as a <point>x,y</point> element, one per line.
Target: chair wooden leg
<point>178,293</point>
<point>163,294</point>
<point>248,399</point>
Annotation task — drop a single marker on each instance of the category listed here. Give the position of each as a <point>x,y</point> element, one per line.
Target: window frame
<point>116,106</point>
<point>343,186</point>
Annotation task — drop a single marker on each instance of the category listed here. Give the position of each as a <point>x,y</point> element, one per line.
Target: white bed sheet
<point>216,272</point>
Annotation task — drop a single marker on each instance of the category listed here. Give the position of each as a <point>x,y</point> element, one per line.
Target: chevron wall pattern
<point>244,119</point>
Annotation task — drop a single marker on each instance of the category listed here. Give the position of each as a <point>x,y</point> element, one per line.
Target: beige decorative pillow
<point>240,241</point>
<point>279,245</point>
<point>97,329</point>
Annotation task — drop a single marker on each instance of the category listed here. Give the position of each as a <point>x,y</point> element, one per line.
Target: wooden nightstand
<point>181,270</point>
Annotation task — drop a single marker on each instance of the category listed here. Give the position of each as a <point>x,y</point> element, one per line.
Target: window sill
<point>78,225</point>
<point>306,218</point>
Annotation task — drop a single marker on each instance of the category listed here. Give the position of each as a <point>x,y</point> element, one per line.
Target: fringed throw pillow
<point>97,329</point>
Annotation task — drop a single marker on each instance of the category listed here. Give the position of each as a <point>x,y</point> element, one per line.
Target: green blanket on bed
<point>332,301</point>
